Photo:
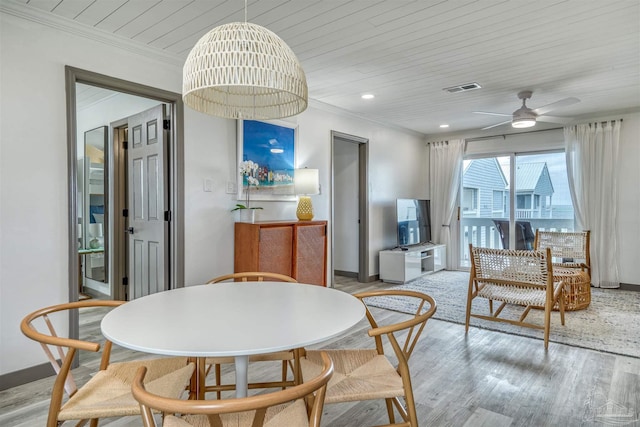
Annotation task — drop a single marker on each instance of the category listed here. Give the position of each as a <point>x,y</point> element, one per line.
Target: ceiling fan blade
<point>558,104</point>
<point>496,125</point>
<point>554,119</point>
<point>491,114</point>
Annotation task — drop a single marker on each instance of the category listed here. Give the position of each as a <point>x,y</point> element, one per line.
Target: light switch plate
<point>208,185</point>
<point>231,187</point>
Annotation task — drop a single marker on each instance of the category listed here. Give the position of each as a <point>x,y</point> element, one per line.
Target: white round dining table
<point>236,319</point>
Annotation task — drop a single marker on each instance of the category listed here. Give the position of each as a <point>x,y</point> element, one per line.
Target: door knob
<point>129,230</point>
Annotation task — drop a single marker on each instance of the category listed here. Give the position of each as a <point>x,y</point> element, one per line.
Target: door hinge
<point>125,281</point>
<point>167,215</point>
<point>125,213</point>
<point>125,145</point>
<point>166,124</point>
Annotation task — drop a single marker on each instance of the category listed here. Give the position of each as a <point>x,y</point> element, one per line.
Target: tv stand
<point>400,265</point>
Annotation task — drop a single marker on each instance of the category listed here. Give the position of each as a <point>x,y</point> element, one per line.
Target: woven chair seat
<point>362,374</point>
<point>516,295</point>
<point>287,415</point>
<point>358,375</point>
<point>108,392</point>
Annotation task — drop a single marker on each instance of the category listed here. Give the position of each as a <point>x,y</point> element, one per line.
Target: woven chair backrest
<point>564,244</point>
<point>510,266</point>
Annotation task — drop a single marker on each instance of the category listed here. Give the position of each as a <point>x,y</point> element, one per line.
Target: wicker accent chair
<point>571,249</point>
<point>300,405</point>
<point>287,357</point>
<point>368,374</point>
<point>108,392</point>
<point>517,277</point>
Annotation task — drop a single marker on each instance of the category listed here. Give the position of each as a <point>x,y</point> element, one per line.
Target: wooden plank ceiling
<point>406,52</point>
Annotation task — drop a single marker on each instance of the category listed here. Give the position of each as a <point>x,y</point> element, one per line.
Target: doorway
<point>349,207</point>
<point>174,203</point>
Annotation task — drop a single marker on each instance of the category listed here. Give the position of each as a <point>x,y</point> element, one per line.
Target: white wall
<point>33,172</point>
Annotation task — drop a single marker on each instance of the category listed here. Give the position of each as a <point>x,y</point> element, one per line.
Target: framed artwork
<point>272,147</point>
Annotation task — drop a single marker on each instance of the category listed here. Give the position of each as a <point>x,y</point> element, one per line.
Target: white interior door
<point>147,200</point>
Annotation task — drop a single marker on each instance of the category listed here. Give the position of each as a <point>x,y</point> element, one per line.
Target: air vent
<point>462,88</point>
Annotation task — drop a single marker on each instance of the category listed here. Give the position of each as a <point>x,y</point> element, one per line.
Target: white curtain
<point>445,171</point>
<point>592,156</point>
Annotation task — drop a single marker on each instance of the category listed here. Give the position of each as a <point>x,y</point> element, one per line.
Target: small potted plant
<point>248,170</point>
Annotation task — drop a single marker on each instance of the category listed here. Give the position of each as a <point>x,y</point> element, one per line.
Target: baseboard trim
<point>24,376</point>
<point>629,287</point>
<point>343,273</point>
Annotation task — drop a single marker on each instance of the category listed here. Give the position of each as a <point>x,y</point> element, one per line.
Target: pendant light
<point>244,71</point>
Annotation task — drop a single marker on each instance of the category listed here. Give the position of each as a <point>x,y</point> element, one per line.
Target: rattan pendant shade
<point>244,71</point>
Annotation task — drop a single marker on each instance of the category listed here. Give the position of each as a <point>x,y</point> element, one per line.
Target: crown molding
<point>319,105</point>
<point>33,14</point>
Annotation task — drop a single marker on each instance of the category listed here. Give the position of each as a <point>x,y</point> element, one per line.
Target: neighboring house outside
<point>485,191</point>
<point>534,190</point>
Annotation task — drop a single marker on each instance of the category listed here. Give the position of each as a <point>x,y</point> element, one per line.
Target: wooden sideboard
<point>295,248</point>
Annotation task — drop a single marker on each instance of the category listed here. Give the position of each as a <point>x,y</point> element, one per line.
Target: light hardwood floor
<point>484,378</point>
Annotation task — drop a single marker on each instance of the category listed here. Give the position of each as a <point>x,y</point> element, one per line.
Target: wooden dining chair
<point>296,406</point>
<point>287,357</point>
<point>368,374</point>
<point>108,392</point>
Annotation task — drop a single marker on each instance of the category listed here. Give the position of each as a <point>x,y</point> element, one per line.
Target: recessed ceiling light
<point>368,96</point>
<point>444,125</point>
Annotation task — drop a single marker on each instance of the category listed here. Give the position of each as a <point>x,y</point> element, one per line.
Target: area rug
<point>611,323</point>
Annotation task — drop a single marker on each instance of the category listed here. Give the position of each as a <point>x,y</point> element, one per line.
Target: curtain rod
<point>504,136</point>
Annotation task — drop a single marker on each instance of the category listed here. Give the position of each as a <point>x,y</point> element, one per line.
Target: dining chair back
<point>108,392</point>
<point>367,374</point>
<point>287,357</point>
<point>296,406</point>
<point>257,276</point>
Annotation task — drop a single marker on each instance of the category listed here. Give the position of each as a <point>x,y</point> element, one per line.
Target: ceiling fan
<point>525,117</point>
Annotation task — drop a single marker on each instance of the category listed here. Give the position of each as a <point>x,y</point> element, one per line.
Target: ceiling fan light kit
<point>244,71</point>
<point>525,117</point>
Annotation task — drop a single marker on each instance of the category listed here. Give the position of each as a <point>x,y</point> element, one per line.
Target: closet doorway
<point>349,207</point>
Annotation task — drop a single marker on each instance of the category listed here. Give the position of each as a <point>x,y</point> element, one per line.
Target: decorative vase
<point>247,215</point>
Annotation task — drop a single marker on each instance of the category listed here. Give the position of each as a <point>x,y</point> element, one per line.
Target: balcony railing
<point>482,232</point>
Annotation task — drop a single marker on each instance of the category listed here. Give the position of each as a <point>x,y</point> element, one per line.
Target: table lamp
<point>306,182</point>
<point>96,234</point>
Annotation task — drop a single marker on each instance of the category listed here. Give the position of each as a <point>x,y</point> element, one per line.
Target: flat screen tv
<point>414,221</point>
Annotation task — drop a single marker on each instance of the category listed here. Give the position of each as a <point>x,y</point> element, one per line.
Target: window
<point>469,201</point>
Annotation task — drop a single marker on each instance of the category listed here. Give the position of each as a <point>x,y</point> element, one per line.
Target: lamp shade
<point>306,181</point>
<point>244,71</point>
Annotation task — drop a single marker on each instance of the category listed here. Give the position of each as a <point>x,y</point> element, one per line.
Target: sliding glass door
<point>496,214</point>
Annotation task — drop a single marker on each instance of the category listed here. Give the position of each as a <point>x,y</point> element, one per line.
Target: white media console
<point>400,266</point>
